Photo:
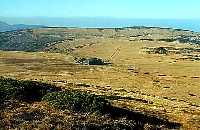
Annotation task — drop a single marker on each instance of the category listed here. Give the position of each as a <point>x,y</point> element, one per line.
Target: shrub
<point>161,50</point>
<point>23,90</point>
<point>167,40</point>
<point>91,61</point>
<point>77,101</point>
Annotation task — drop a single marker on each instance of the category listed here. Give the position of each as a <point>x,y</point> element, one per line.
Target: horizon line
<point>91,17</point>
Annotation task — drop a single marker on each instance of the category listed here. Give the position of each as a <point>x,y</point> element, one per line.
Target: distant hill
<point>26,40</point>
<point>67,40</point>
<point>7,27</point>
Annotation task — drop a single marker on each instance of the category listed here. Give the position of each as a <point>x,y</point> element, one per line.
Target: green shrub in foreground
<point>77,101</point>
<point>23,90</point>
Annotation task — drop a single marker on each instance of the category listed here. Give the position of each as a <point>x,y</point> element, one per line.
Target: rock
<point>91,61</point>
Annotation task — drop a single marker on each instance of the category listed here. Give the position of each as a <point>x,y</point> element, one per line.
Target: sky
<point>153,9</point>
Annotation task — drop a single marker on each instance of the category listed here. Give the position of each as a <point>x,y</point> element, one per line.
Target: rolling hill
<point>7,27</point>
<point>66,40</point>
<point>151,81</point>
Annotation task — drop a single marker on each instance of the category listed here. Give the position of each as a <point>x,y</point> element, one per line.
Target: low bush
<point>23,90</point>
<point>160,50</point>
<point>77,101</point>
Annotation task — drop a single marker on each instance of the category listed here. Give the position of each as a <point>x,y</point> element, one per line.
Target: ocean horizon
<point>88,22</point>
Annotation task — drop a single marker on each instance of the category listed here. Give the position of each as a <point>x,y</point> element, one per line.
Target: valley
<point>153,71</point>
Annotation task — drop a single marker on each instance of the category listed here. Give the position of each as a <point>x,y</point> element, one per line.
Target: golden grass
<point>168,84</point>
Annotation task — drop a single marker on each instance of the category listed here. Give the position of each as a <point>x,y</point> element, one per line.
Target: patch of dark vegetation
<point>160,50</point>
<point>141,119</point>
<point>23,90</point>
<point>28,116</point>
<point>188,39</point>
<point>192,57</point>
<point>77,101</point>
<point>70,39</point>
<point>120,119</point>
<point>91,61</point>
<point>193,95</point>
<point>162,75</point>
<point>167,40</point>
<point>156,81</point>
<point>83,85</point>
<point>146,39</point>
<point>183,39</point>
<point>101,29</point>
<point>177,29</point>
<point>157,50</point>
<point>26,40</point>
<point>118,29</point>
<point>187,53</point>
<point>195,77</point>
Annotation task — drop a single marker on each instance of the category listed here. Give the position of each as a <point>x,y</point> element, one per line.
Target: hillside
<point>7,27</point>
<point>65,40</point>
<point>149,75</point>
<point>26,40</point>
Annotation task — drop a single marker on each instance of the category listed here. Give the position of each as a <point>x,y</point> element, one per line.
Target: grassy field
<point>164,85</point>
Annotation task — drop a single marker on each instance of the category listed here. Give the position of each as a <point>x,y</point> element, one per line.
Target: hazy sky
<point>179,9</point>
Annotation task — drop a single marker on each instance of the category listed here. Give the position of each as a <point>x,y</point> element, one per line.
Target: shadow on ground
<point>110,118</point>
<point>123,119</point>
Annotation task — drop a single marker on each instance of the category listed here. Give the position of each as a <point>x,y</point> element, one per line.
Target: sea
<point>103,22</point>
